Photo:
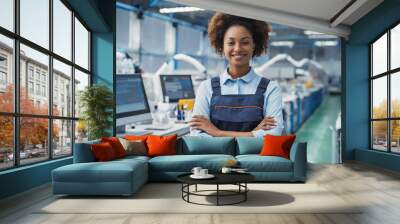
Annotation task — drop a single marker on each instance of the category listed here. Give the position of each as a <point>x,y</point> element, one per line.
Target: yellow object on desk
<point>187,104</point>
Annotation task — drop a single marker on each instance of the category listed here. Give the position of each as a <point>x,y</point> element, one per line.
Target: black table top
<point>220,178</point>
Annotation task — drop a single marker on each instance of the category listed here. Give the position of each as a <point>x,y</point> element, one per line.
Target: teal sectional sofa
<point>125,176</point>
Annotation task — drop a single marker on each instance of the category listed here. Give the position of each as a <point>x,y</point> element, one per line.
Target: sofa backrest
<point>83,152</point>
<point>249,145</point>
<point>194,145</point>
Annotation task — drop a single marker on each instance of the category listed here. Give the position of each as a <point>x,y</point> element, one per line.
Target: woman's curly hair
<point>220,23</point>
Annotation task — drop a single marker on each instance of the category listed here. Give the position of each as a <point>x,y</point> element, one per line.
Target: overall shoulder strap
<point>262,86</point>
<point>216,87</point>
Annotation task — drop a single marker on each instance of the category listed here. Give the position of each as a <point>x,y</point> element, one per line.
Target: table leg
<point>245,191</point>
<point>217,194</point>
<point>196,188</point>
<point>188,190</point>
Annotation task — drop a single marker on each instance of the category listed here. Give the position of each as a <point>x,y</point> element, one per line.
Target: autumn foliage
<point>33,131</point>
<point>380,127</point>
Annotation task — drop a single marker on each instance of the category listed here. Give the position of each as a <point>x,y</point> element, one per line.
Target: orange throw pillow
<point>116,145</point>
<point>161,145</point>
<point>277,145</point>
<point>103,152</point>
<point>136,137</point>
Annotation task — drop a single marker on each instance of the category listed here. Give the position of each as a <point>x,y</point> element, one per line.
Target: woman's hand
<point>266,124</point>
<point>201,123</point>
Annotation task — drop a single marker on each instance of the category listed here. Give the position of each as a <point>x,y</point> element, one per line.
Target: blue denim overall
<point>237,112</point>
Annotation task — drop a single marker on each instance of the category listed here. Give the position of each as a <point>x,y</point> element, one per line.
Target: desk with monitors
<point>132,107</point>
<point>131,100</point>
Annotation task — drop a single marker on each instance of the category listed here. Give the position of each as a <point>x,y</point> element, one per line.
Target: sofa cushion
<point>185,163</point>
<point>131,158</point>
<point>134,147</point>
<point>116,145</point>
<point>112,171</point>
<point>161,145</point>
<point>257,163</point>
<point>249,145</point>
<point>195,145</point>
<point>277,145</point>
<point>103,152</point>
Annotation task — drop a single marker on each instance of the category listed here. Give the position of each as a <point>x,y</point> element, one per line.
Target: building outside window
<point>3,72</point>
<point>38,89</point>
<point>44,77</point>
<point>30,87</point>
<point>385,94</point>
<point>43,90</point>
<point>3,78</point>
<point>37,74</point>
<point>30,72</point>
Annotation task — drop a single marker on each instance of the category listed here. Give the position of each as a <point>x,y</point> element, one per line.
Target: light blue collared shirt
<point>244,85</point>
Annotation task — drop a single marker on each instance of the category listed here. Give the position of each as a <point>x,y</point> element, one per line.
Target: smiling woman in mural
<point>238,102</point>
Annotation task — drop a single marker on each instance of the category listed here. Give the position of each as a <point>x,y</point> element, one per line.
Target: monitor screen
<point>130,96</point>
<point>177,87</point>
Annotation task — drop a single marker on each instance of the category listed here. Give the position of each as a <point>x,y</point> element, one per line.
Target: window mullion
<point>16,84</point>
<point>73,81</point>
<point>50,81</point>
<point>389,106</point>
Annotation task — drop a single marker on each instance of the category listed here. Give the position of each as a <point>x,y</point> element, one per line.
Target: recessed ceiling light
<point>326,43</point>
<point>180,9</point>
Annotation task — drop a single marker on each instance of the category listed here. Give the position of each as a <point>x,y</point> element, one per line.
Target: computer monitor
<point>131,100</point>
<point>177,87</point>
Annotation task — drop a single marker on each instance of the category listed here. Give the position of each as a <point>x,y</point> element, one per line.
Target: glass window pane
<point>81,131</point>
<point>62,138</point>
<point>379,98</point>
<point>34,97</point>
<point>62,89</point>
<point>6,142</point>
<point>35,21</point>
<point>151,63</point>
<point>395,94</point>
<point>395,136</point>
<point>379,56</point>
<point>153,35</point>
<point>123,28</point>
<point>379,135</point>
<point>81,81</point>
<point>189,40</point>
<point>7,14</point>
<point>62,29</point>
<point>6,74</point>
<point>395,47</point>
<point>33,139</point>
<point>81,45</point>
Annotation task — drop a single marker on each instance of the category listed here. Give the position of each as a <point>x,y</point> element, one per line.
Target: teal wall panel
<point>102,58</point>
<point>24,178</point>
<point>356,109</point>
<point>380,159</point>
<point>357,99</point>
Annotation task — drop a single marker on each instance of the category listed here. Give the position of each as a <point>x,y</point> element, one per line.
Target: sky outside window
<point>7,14</point>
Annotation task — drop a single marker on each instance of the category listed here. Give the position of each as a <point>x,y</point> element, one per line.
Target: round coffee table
<point>238,179</point>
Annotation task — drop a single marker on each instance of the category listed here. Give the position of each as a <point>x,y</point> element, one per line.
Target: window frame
<point>388,74</point>
<point>15,68</point>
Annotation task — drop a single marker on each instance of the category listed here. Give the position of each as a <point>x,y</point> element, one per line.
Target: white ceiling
<point>316,15</point>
